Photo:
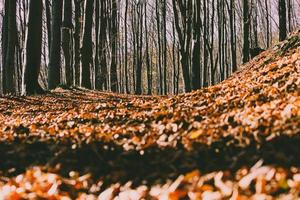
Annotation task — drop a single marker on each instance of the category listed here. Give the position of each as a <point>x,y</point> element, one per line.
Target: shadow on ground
<point>110,163</point>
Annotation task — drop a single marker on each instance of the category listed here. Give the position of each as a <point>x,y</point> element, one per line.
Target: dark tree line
<point>134,46</point>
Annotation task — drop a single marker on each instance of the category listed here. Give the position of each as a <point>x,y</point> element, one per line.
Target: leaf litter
<point>258,105</point>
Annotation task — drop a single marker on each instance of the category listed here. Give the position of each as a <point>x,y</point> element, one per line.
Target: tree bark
<point>48,22</point>
<point>148,64</point>
<point>30,84</point>
<point>164,44</point>
<point>77,35</point>
<point>11,47</point>
<point>139,48</point>
<point>126,48</point>
<point>159,49</point>
<point>246,35</point>
<point>87,46</point>
<point>102,74</point>
<point>183,27</point>
<point>196,65</point>
<point>267,24</point>
<point>114,52</point>
<point>282,20</point>
<point>4,42</point>
<point>97,36</point>
<point>54,71</point>
<point>231,11</point>
<point>67,27</point>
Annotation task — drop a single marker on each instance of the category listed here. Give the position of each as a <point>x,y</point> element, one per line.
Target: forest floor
<point>235,140</point>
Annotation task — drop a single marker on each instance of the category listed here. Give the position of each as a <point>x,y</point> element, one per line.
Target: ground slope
<point>221,131</point>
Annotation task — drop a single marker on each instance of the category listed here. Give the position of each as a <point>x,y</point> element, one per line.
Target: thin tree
<point>246,34</point>
<point>268,32</point>
<point>103,73</point>
<point>48,22</point>
<point>114,44</point>
<point>164,44</point>
<point>231,13</point>
<point>148,62</point>
<point>87,45</point>
<point>77,34</point>
<point>54,71</point>
<point>205,42</point>
<point>67,28</point>
<point>97,37</point>
<point>4,41</point>
<point>196,65</point>
<point>282,20</point>
<point>126,47</point>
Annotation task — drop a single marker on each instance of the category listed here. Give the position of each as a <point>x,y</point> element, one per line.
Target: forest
<point>135,47</point>
<point>157,99</point>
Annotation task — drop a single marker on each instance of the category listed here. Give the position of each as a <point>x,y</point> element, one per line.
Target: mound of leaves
<point>142,140</point>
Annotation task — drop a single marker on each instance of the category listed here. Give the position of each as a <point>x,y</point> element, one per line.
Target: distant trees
<point>140,47</point>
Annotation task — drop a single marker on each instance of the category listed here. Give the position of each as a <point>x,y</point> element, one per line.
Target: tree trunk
<point>101,75</point>
<point>97,36</point>
<point>157,5</point>
<point>126,48</point>
<point>67,27</point>
<point>282,20</point>
<point>246,25</point>
<point>196,50</point>
<point>87,46</point>
<point>11,47</point>
<point>205,44</point>
<point>289,11</point>
<point>231,11</point>
<point>183,27</point>
<point>77,35</point>
<point>4,42</point>
<point>164,44</point>
<point>48,22</point>
<point>267,24</point>
<point>33,48</point>
<point>149,81</point>
<point>55,47</point>
<point>114,53</point>
<point>139,49</point>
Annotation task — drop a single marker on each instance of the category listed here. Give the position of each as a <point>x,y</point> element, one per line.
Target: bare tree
<point>282,20</point>
<point>87,45</point>
<point>246,35</point>
<point>183,22</point>
<point>30,84</point>
<point>67,28</point>
<point>54,71</point>
<point>9,62</point>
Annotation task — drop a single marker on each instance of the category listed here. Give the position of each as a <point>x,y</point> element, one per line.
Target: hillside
<point>237,139</point>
